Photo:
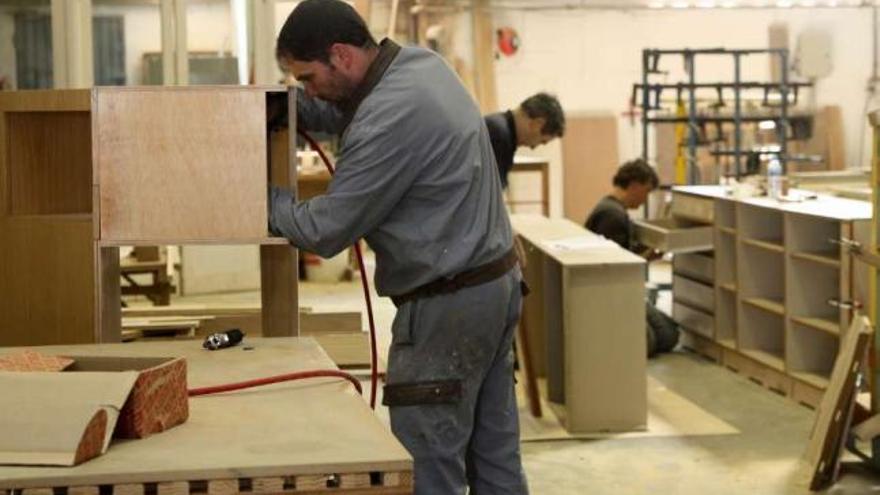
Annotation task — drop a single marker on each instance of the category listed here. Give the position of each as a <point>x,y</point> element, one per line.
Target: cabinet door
<point>180,164</point>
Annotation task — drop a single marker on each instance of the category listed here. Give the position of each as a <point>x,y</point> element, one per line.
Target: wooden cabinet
<point>779,275</point>
<point>586,323</point>
<point>85,171</point>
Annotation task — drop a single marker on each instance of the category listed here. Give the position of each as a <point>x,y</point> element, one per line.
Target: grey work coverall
<point>416,176</point>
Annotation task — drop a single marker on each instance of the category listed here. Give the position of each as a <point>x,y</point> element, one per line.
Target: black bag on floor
<point>662,331</point>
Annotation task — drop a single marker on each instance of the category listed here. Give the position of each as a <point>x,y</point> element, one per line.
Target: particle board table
<point>305,437</point>
<point>586,323</point>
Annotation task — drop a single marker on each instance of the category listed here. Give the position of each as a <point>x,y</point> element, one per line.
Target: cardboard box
<point>66,418</point>
<point>158,399</point>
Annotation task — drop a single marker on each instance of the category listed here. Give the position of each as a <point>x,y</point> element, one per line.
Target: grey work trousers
<point>465,335</point>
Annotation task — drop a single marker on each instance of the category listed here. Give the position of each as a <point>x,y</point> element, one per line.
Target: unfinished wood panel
<point>49,162</point>
<point>760,273</point>
<point>701,345</point>
<point>694,319</point>
<point>811,354</point>
<point>223,487</point>
<point>172,488</point>
<point>484,56</point>
<point>725,213</point>
<point>46,281</point>
<point>82,490</point>
<point>763,224</point>
<point>108,295</point>
<point>725,258</point>
<point>589,162</point>
<point>725,318</point>
<point>810,286</point>
<point>605,330</point>
<point>698,266</point>
<point>55,100</point>
<point>533,274</point>
<point>128,489</point>
<point>268,485</point>
<point>693,293</point>
<point>181,164</point>
<point>693,208</point>
<point>761,336</point>
<point>279,267</point>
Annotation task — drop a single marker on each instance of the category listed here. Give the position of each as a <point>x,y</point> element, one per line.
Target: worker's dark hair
<point>546,106</point>
<point>636,170</point>
<point>315,25</point>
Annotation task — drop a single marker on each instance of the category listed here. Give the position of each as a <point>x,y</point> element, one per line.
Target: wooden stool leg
<point>525,360</point>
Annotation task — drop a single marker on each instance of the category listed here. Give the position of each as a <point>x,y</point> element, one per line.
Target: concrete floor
<point>763,458</point>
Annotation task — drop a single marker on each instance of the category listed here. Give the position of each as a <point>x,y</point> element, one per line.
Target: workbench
<point>586,326</point>
<point>300,437</point>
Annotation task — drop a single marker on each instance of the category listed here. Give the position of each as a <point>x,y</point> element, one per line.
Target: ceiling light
<point>679,4</point>
<point>656,5</point>
<point>766,125</point>
<point>706,4</point>
<point>784,4</point>
<point>728,4</point>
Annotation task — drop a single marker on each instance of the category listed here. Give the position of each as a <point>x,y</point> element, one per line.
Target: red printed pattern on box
<point>157,402</point>
<point>33,361</point>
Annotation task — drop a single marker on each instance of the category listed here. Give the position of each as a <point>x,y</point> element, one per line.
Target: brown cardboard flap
<point>52,418</point>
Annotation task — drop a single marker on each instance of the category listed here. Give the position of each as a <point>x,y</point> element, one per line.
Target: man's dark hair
<point>546,106</point>
<point>636,170</point>
<point>315,25</point>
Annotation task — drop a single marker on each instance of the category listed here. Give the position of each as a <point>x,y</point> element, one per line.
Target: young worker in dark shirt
<point>632,183</point>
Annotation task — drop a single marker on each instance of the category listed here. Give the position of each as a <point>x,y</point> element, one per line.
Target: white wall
<point>590,59</point>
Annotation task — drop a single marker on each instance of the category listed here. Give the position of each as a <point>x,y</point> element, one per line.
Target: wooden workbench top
<point>317,426</point>
<point>822,206</point>
<point>569,243</point>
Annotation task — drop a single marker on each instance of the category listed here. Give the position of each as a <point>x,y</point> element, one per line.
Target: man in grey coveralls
<point>417,178</point>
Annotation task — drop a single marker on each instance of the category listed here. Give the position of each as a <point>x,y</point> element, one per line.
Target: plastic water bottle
<point>774,179</point>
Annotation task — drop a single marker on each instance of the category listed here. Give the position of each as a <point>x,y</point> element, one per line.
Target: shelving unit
<point>83,172</point>
<point>778,272</point>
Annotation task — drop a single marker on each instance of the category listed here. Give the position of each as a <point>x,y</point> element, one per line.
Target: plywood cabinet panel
<point>181,164</point>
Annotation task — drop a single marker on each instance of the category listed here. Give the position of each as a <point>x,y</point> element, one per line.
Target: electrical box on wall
<point>813,54</point>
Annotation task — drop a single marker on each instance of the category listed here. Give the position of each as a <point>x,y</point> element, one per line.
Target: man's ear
<point>536,124</point>
<point>340,55</point>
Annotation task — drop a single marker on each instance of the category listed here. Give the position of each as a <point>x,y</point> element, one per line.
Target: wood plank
<point>108,295</point>
<point>775,247</point>
<point>350,350</point>
<point>833,415</point>
<point>268,485</point>
<point>589,162</point>
<point>47,284</point>
<point>128,489</point>
<point>827,259</point>
<point>766,304</point>
<point>172,488</point>
<point>354,480</point>
<point>484,55</point>
<point>223,487</point>
<point>50,162</point>
<point>279,267</point>
<point>56,100</point>
<point>82,490</point>
<point>163,151</point>
<point>826,325</point>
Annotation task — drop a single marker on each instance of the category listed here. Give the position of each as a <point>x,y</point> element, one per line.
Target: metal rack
<point>648,96</point>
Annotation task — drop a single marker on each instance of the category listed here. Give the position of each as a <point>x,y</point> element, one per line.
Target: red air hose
<point>374,355</point>
<point>300,375</point>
